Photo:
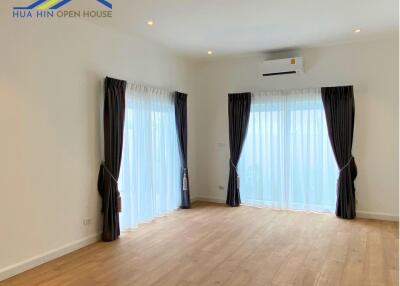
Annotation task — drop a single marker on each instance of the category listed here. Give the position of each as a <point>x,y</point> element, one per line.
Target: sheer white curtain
<point>150,170</point>
<point>287,160</point>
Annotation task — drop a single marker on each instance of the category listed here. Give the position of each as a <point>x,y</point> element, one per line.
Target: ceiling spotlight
<point>357,31</point>
<point>150,23</point>
<point>209,52</point>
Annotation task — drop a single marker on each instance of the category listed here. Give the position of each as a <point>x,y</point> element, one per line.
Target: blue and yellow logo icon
<point>55,4</point>
<point>50,9</point>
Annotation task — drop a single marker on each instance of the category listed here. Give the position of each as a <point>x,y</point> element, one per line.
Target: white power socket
<point>87,221</point>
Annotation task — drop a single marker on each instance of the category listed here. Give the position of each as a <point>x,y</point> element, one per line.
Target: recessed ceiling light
<point>150,23</point>
<point>357,31</point>
<point>209,52</point>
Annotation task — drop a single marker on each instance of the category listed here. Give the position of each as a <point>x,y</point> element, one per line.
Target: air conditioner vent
<point>282,66</point>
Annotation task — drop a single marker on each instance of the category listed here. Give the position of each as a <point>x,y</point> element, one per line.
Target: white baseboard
<point>46,257</point>
<point>209,199</point>
<point>360,214</point>
<point>378,216</point>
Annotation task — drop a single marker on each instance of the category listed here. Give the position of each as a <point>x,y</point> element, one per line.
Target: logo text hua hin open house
<point>51,9</point>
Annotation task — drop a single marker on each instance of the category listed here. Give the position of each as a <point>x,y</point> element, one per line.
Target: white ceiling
<point>192,27</point>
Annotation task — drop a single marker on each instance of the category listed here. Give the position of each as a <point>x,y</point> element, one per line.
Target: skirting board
<point>378,216</point>
<point>360,214</point>
<point>46,257</point>
<point>209,200</point>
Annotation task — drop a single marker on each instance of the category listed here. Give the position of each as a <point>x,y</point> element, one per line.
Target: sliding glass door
<point>150,171</point>
<point>287,160</point>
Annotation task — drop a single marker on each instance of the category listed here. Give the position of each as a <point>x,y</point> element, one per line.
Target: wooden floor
<point>215,245</point>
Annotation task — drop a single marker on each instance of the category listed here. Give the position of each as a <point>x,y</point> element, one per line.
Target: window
<point>287,160</point>
<point>150,170</point>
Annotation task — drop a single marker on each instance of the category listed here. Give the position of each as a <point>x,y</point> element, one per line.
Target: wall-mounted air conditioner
<point>282,66</point>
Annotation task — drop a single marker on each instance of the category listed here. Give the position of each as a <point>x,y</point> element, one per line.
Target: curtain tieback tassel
<point>118,202</point>
<point>237,175</point>
<point>347,164</point>
<point>185,180</point>
<point>109,173</point>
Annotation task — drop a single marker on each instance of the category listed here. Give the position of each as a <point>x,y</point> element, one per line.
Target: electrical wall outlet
<point>87,221</point>
<point>221,188</point>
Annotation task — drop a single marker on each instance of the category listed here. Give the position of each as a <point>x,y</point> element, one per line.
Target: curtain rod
<point>143,86</point>
<point>146,85</point>
<point>293,89</point>
<point>149,86</point>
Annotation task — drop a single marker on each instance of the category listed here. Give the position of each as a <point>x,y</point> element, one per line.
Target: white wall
<point>373,70</point>
<point>50,111</point>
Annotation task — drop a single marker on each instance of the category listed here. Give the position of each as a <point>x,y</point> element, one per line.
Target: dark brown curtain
<point>114,114</point>
<point>239,113</point>
<point>181,128</point>
<point>339,111</point>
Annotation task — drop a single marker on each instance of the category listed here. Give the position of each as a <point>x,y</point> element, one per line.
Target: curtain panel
<point>150,183</point>
<point>180,100</point>
<point>113,121</point>
<point>340,110</point>
<point>239,112</point>
<point>287,160</point>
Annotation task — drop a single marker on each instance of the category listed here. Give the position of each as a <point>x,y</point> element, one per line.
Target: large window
<point>287,160</point>
<point>150,170</point>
